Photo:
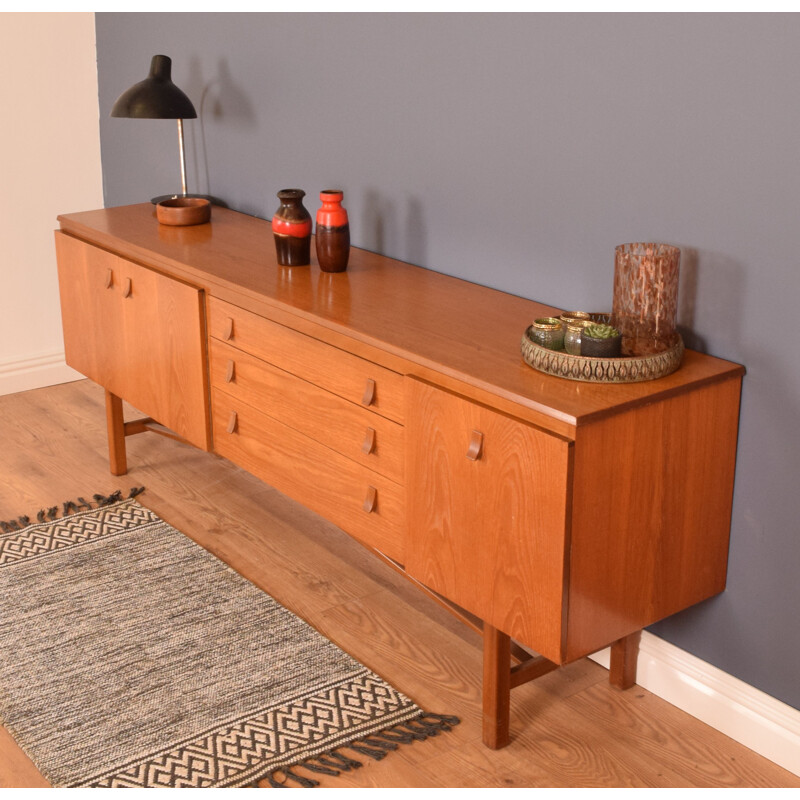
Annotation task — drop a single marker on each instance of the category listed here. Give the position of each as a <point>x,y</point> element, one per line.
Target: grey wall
<point>516,151</point>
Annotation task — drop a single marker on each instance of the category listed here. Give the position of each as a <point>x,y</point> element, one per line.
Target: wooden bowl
<point>183,211</point>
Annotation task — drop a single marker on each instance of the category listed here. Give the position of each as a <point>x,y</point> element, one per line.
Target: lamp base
<point>213,200</point>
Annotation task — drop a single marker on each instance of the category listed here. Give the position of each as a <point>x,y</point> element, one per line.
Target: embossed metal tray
<point>627,369</point>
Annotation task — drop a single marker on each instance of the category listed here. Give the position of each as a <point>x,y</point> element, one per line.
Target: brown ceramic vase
<point>291,228</point>
<point>333,232</point>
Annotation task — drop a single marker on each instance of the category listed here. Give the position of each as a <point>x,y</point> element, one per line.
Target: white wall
<point>49,165</point>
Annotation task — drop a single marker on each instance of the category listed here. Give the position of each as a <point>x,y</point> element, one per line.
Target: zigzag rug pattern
<point>41,539</point>
<point>135,658</point>
<point>267,739</point>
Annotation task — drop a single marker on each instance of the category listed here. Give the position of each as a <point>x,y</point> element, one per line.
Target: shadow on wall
<point>416,239</point>
<point>714,283</point>
<point>376,211</point>
<point>687,300</point>
<point>387,230</point>
<point>220,98</point>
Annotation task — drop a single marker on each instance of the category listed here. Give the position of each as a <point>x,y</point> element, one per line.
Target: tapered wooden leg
<point>116,435</point>
<point>496,687</point>
<point>624,656</point>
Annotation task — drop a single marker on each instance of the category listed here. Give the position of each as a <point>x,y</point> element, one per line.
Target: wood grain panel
<point>350,429</point>
<point>137,333</point>
<point>337,371</point>
<point>325,481</point>
<point>651,518</point>
<point>489,534</point>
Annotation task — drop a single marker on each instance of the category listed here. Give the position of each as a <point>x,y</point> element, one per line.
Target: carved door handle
<point>230,372</point>
<point>228,333</point>
<point>369,442</point>
<point>369,393</point>
<point>475,450</point>
<point>109,279</point>
<point>371,500</point>
<point>233,422</point>
<point>128,290</point>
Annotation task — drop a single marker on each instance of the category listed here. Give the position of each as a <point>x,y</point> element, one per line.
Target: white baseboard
<point>19,375</point>
<point>749,716</point>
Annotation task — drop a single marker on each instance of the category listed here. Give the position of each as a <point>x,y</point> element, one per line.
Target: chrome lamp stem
<point>183,156</point>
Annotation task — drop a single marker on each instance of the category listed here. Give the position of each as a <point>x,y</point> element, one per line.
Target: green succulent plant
<point>599,330</point>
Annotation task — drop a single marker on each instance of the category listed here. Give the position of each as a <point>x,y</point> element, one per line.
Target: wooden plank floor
<point>569,728</point>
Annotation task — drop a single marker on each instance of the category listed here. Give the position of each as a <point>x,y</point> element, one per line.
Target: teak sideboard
<point>558,517</point>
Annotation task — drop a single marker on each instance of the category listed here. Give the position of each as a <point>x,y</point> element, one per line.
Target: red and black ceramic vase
<point>291,227</point>
<point>333,232</point>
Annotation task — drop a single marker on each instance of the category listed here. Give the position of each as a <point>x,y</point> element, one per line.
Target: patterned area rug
<point>130,656</point>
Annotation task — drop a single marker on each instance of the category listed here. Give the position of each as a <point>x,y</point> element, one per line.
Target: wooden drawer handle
<point>233,422</point>
<point>369,442</point>
<point>227,334</point>
<point>371,500</point>
<point>230,372</point>
<point>369,393</point>
<point>128,290</point>
<point>475,449</point>
<point>109,279</point>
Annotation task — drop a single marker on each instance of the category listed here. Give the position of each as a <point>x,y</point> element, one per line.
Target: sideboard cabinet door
<point>487,499</point>
<point>137,333</point>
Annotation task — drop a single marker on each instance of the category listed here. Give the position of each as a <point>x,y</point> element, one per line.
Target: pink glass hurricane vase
<point>645,307</point>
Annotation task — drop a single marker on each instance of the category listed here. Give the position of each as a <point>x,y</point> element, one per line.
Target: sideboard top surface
<point>466,331</point>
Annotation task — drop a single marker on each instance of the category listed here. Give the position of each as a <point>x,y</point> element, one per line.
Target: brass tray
<point>628,369</point>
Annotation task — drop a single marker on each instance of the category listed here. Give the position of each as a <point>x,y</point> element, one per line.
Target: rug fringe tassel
<point>306,783</point>
<point>383,744</point>
<point>310,765</point>
<point>342,762</point>
<point>376,746</point>
<point>69,507</point>
<point>374,754</point>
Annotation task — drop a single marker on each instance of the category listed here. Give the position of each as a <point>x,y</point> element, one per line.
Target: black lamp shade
<point>156,97</point>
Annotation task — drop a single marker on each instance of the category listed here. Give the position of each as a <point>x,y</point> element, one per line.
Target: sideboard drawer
<point>361,502</point>
<point>351,377</point>
<point>353,431</point>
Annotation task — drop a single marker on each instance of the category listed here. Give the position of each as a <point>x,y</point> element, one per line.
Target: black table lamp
<point>157,97</point>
